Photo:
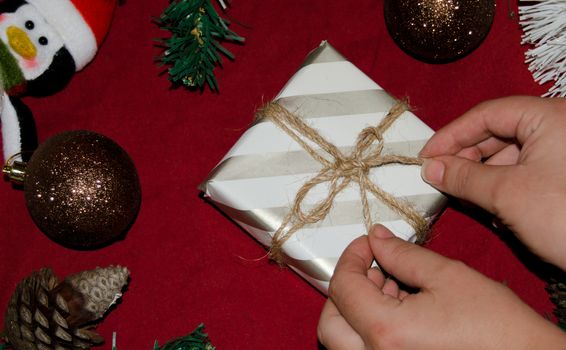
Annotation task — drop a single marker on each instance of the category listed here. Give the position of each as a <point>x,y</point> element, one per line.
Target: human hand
<point>509,157</point>
<point>456,307</point>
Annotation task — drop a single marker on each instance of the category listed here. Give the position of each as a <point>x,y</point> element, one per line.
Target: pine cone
<point>46,314</point>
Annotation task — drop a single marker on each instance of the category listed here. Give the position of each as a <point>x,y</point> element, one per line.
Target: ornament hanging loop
<point>14,170</point>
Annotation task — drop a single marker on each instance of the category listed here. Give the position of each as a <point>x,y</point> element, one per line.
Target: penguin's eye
<point>43,41</point>
<point>29,25</point>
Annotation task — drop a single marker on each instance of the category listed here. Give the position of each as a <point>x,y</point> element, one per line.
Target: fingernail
<point>432,171</point>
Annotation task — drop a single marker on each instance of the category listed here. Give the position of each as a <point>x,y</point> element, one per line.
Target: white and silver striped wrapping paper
<point>256,182</point>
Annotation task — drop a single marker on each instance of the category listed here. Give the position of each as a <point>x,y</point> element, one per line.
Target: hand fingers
<point>510,117</point>
<point>484,149</point>
<point>375,275</point>
<point>388,286</point>
<point>409,263</point>
<point>507,156</point>
<point>478,183</point>
<point>357,297</point>
<point>391,288</point>
<point>334,332</point>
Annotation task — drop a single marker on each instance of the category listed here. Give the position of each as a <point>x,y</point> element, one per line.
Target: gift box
<point>302,172</point>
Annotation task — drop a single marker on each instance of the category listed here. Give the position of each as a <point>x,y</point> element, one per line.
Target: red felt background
<point>185,257</point>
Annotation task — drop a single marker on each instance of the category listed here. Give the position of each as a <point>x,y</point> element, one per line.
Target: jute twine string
<point>339,171</point>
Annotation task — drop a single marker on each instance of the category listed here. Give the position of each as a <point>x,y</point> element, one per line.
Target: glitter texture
<point>82,189</point>
<point>438,31</point>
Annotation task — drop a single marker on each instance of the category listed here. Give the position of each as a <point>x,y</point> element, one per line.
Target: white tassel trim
<point>544,26</point>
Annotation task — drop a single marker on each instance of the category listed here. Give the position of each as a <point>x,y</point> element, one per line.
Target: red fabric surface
<point>185,257</point>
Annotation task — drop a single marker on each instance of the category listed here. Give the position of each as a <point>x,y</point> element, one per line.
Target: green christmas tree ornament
<point>196,340</point>
<point>194,48</point>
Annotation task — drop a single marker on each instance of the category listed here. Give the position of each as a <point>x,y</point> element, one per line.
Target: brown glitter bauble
<point>82,189</point>
<point>438,31</point>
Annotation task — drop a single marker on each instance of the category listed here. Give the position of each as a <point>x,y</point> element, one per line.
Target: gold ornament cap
<point>14,171</point>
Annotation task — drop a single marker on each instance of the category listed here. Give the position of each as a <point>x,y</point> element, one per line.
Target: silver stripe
<point>337,103</point>
<point>319,268</point>
<point>292,163</point>
<point>342,213</point>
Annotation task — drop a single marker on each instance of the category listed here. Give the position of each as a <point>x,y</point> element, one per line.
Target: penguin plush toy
<point>42,44</point>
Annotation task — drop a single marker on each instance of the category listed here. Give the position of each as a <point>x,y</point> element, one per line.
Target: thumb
<point>482,184</point>
<point>409,263</point>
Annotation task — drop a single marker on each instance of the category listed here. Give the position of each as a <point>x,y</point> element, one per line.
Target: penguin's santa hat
<point>83,24</point>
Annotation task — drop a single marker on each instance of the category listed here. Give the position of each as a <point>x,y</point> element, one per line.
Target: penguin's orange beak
<point>20,42</point>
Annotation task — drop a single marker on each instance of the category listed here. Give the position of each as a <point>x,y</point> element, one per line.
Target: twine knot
<point>339,170</point>
<point>351,167</point>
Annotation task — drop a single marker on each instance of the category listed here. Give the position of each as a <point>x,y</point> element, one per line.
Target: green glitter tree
<point>193,51</point>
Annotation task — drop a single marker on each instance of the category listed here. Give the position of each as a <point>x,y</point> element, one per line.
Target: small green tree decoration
<point>193,50</point>
<point>197,340</point>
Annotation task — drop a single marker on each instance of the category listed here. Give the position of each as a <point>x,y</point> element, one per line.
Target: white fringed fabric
<point>544,26</point>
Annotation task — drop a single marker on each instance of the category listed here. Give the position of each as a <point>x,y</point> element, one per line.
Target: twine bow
<point>339,171</point>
